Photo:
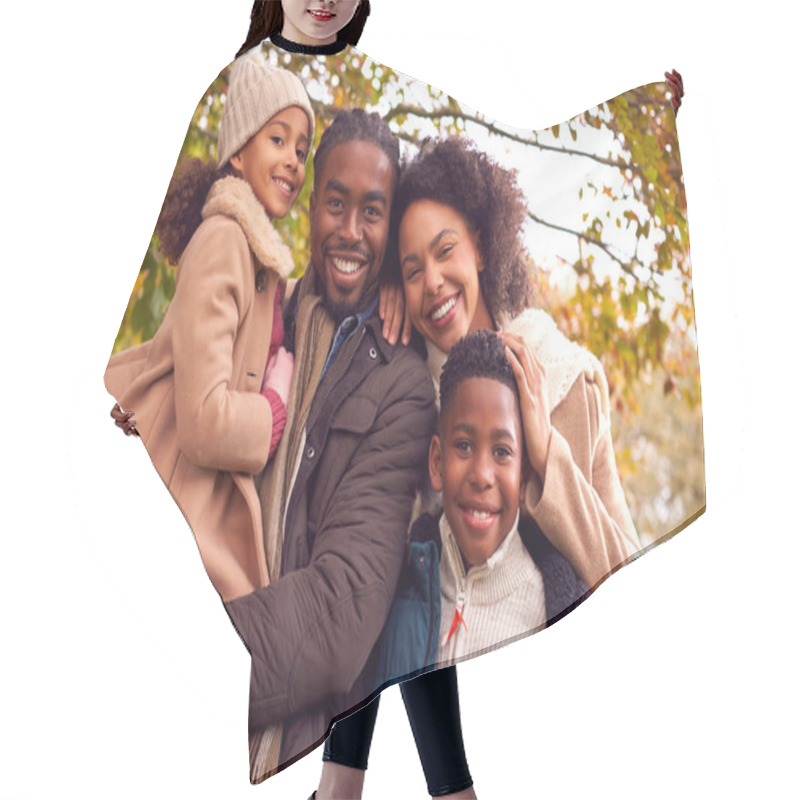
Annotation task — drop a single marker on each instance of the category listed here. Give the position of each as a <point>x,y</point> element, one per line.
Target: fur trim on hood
<point>232,197</point>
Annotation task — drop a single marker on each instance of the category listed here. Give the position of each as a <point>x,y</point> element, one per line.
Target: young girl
<point>209,390</point>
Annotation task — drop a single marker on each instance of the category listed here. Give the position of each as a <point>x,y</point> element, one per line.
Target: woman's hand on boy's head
<point>393,312</point>
<point>530,376</point>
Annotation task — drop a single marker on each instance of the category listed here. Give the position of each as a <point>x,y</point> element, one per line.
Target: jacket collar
<point>426,528</point>
<point>375,326</point>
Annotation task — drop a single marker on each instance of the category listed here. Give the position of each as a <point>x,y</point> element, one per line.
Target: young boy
<point>481,576</point>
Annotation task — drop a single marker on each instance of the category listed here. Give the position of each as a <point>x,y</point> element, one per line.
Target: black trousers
<point>432,706</point>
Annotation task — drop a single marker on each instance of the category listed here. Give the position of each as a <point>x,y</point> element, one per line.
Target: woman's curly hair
<point>181,213</point>
<point>455,173</point>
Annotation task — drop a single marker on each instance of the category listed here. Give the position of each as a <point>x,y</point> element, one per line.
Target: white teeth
<point>443,309</point>
<point>480,514</point>
<point>284,184</point>
<point>347,267</point>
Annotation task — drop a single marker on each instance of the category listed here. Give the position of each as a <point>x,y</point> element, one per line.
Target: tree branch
<point>584,237</point>
<point>439,113</point>
<point>627,268</point>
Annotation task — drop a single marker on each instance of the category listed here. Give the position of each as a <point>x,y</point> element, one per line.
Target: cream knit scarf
<point>314,332</point>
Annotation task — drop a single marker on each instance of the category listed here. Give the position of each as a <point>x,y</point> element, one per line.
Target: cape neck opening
<point>308,49</point>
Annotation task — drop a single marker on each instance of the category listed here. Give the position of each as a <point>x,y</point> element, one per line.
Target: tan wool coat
<point>195,388</point>
<point>581,506</point>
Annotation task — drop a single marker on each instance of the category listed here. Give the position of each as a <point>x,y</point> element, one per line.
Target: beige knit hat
<point>256,93</point>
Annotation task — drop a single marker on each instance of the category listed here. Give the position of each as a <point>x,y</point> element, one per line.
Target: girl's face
<point>315,22</point>
<point>440,262</point>
<point>273,162</point>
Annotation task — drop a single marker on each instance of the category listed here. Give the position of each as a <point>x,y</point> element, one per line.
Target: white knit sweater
<point>499,600</point>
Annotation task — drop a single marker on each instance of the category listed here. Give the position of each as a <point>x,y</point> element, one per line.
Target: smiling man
<point>338,496</point>
<point>350,224</point>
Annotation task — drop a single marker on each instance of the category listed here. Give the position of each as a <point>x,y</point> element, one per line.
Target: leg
<point>346,754</point>
<point>433,711</point>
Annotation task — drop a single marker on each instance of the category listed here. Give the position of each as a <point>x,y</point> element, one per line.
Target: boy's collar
<point>448,539</point>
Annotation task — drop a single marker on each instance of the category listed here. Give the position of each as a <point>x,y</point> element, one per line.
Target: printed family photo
<point>418,381</point>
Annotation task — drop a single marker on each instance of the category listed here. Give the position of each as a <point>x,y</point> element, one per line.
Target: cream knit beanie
<point>256,93</point>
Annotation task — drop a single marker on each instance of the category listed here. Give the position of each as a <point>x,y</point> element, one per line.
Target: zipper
<point>458,618</point>
<point>433,633</point>
<point>293,499</point>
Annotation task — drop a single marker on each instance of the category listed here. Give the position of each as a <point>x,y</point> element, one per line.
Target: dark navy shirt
<point>348,327</point>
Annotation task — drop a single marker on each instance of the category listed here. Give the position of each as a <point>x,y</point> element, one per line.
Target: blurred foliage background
<point>607,235</point>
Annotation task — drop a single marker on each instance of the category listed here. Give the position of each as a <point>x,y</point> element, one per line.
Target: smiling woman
<point>441,264</point>
<point>316,21</point>
<point>310,22</point>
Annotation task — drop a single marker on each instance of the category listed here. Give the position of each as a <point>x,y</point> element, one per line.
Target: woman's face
<point>315,22</point>
<point>440,262</point>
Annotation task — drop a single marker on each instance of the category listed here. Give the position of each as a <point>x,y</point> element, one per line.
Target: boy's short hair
<point>478,355</point>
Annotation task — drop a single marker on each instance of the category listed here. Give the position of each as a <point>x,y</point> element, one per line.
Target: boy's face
<point>476,463</point>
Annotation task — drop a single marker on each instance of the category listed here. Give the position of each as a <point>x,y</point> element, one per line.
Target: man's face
<point>350,208</point>
<point>476,463</point>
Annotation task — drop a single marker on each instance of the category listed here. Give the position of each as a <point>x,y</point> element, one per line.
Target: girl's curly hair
<point>181,213</point>
<point>455,173</point>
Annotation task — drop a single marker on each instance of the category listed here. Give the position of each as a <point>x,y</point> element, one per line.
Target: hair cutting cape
<point>614,326</point>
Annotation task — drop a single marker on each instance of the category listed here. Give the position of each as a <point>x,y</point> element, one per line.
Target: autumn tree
<point>625,242</point>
